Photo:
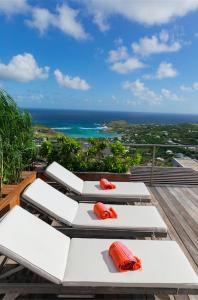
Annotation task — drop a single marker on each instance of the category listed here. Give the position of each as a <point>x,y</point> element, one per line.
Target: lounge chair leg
<point>10,296</point>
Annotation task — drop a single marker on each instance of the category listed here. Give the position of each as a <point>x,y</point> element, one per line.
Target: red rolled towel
<point>113,213</point>
<point>102,212</point>
<point>106,184</point>
<point>123,258</point>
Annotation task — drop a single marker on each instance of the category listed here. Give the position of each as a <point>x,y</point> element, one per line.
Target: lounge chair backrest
<point>51,201</point>
<point>34,244</point>
<point>65,177</point>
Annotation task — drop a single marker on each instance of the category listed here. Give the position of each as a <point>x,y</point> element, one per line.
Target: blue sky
<point>101,54</point>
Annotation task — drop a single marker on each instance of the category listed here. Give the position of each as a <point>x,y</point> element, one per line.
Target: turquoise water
<point>83,130</point>
<point>84,124</point>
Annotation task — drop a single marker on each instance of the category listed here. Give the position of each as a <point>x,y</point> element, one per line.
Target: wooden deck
<point>98,297</point>
<point>178,206</point>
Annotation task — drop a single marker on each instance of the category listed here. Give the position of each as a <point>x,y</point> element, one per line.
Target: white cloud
<point>23,68</point>
<point>30,97</point>
<point>155,44</point>
<point>116,55</point>
<point>11,7</point>
<point>99,19</point>
<point>166,70</point>
<point>189,88</point>
<point>164,36</point>
<point>185,88</point>
<point>67,22</point>
<point>149,12</point>
<point>41,19</point>
<point>121,62</point>
<point>147,77</point>
<point>142,92</point>
<point>64,19</point>
<point>118,41</point>
<point>195,86</point>
<point>127,66</point>
<point>169,95</point>
<point>67,81</point>
<point>145,94</point>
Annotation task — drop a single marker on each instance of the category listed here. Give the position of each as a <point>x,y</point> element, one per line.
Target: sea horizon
<point>81,124</point>
<point>110,111</point>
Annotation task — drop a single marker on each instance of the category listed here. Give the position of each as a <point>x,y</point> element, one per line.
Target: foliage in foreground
<point>99,155</point>
<point>17,148</point>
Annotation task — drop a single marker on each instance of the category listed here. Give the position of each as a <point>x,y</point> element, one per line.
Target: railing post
<point>153,164</point>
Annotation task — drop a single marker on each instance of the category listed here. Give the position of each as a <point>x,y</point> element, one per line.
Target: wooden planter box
<point>11,193</point>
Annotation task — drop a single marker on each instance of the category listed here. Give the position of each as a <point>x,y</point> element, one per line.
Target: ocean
<point>83,124</point>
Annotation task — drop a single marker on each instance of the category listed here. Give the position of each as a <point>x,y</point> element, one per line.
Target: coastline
<point>84,124</point>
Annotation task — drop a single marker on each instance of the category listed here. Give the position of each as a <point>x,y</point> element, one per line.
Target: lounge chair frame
<point>90,199</point>
<point>111,200</point>
<point>92,232</point>
<point>14,288</point>
<point>50,288</point>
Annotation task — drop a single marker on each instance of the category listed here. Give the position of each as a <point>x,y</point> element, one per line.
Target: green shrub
<point>16,133</point>
<point>46,149</point>
<point>100,156</point>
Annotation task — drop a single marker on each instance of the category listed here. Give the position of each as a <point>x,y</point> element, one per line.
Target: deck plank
<point>179,208</point>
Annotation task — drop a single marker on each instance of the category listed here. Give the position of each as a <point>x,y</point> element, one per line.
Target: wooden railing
<point>151,169</point>
<point>165,175</point>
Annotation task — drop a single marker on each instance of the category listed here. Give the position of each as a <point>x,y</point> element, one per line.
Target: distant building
<point>179,155</point>
<point>169,152</point>
<point>160,159</point>
<point>171,142</point>
<point>185,162</point>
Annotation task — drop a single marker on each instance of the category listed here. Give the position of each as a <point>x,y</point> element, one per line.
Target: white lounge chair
<point>83,265</point>
<point>131,221</point>
<point>90,190</point>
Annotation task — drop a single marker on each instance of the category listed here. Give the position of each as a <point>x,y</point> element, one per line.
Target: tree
<point>98,156</point>
<point>16,132</point>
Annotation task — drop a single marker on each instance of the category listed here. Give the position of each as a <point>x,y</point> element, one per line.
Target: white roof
<point>65,177</point>
<point>51,201</point>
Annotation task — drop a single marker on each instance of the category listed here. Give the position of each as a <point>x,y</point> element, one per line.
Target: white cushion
<point>123,189</point>
<point>136,218</point>
<point>68,211</point>
<point>34,244</point>
<point>39,247</point>
<point>65,177</point>
<point>52,201</point>
<point>164,265</point>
